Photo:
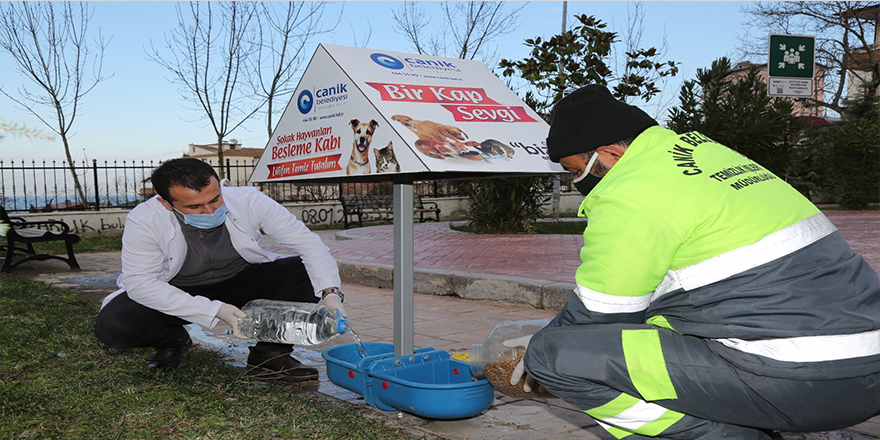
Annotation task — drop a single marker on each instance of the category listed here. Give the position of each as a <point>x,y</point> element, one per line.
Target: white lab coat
<point>154,249</point>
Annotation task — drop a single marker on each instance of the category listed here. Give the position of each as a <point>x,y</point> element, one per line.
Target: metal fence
<point>49,186</point>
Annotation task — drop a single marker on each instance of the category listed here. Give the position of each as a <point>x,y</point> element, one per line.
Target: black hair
<point>186,172</point>
<point>626,142</point>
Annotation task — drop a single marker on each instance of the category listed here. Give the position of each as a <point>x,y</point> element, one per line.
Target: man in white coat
<point>192,254</point>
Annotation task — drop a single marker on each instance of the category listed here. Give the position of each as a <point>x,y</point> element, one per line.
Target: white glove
<point>229,314</point>
<point>519,372</point>
<point>332,303</point>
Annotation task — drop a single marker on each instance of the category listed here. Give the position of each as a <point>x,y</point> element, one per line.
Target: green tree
<point>505,205</point>
<point>556,67</point>
<point>578,57</point>
<point>851,152</point>
<point>737,112</point>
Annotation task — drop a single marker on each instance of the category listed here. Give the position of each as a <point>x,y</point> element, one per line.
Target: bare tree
<point>365,38</point>
<point>631,38</point>
<point>843,33</point>
<point>357,27</point>
<point>283,32</point>
<point>207,56</point>
<point>411,20</point>
<point>475,25</point>
<point>468,28</point>
<point>48,43</point>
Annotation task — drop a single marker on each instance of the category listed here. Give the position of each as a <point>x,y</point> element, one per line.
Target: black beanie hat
<point>589,118</point>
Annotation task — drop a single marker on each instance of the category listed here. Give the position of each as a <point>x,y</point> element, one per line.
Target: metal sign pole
<point>403,265</point>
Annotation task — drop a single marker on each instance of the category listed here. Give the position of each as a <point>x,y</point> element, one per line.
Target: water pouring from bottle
<point>361,349</point>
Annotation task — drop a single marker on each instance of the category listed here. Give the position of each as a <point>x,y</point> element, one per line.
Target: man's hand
<point>519,372</point>
<point>332,303</point>
<point>229,314</point>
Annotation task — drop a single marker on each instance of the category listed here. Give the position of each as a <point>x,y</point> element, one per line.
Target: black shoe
<point>278,365</point>
<point>168,358</point>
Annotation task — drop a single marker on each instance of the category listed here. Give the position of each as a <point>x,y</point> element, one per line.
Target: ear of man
<point>165,203</point>
<point>614,151</point>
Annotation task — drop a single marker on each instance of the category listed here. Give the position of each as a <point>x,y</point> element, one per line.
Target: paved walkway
<point>544,257</point>
<point>436,246</point>
<point>449,322</point>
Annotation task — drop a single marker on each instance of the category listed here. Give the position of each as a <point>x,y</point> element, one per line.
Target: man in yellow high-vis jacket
<point>713,300</point>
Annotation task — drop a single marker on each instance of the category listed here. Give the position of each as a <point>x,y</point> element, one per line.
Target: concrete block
<point>555,295</point>
<point>366,275</point>
<point>434,282</point>
<point>498,288</point>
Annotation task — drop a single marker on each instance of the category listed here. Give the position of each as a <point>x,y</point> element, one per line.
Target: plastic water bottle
<point>288,322</point>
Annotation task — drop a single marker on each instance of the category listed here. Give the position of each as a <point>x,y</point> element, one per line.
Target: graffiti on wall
<point>111,226</point>
<point>318,216</point>
<point>83,226</point>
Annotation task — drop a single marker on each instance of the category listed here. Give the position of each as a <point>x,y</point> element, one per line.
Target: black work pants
<point>586,365</point>
<point>124,323</point>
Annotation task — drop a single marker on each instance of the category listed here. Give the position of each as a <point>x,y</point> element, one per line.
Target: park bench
<point>381,207</point>
<point>22,235</point>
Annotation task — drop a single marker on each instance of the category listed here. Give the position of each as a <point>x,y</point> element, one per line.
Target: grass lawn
<point>98,243</point>
<point>57,381</point>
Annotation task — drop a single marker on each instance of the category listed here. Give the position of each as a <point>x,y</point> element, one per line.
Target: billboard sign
<point>360,112</point>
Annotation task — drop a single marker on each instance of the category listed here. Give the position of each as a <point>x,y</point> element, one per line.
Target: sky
<point>138,114</point>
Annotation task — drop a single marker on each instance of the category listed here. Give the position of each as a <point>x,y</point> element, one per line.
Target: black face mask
<point>585,185</point>
<point>586,182</point>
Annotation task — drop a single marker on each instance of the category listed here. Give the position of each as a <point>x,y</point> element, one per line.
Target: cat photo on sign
<point>386,162</point>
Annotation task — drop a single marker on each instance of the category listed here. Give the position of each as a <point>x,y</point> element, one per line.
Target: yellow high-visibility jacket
<point>687,234</point>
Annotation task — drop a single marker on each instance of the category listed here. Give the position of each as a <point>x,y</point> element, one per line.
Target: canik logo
<point>304,101</point>
<point>386,61</point>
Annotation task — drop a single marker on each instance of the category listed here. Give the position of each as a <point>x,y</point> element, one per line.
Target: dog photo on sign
<point>439,141</point>
<point>359,162</point>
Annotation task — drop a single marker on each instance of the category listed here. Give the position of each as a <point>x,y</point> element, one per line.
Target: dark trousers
<point>585,365</point>
<point>124,323</point>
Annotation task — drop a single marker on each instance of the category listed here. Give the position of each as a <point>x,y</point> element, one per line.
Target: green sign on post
<point>791,65</point>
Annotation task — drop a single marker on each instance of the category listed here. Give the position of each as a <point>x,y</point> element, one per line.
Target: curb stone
<point>541,294</point>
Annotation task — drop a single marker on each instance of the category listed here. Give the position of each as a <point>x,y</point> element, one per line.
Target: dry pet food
<point>495,361</point>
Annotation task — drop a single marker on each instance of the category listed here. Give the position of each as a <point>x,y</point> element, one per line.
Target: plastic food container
<point>346,368</point>
<point>493,361</point>
<point>427,383</point>
<point>430,384</point>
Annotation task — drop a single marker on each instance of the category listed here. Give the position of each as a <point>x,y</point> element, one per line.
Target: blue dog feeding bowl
<point>430,385</point>
<point>427,383</point>
<point>347,369</point>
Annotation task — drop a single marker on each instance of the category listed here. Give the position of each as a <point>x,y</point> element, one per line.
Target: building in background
<point>862,63</point>
<point>799,105</point>
<point>239,161</point>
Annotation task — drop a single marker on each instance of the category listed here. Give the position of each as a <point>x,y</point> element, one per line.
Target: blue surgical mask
<point>586,182</point>
<point>206,221</point>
